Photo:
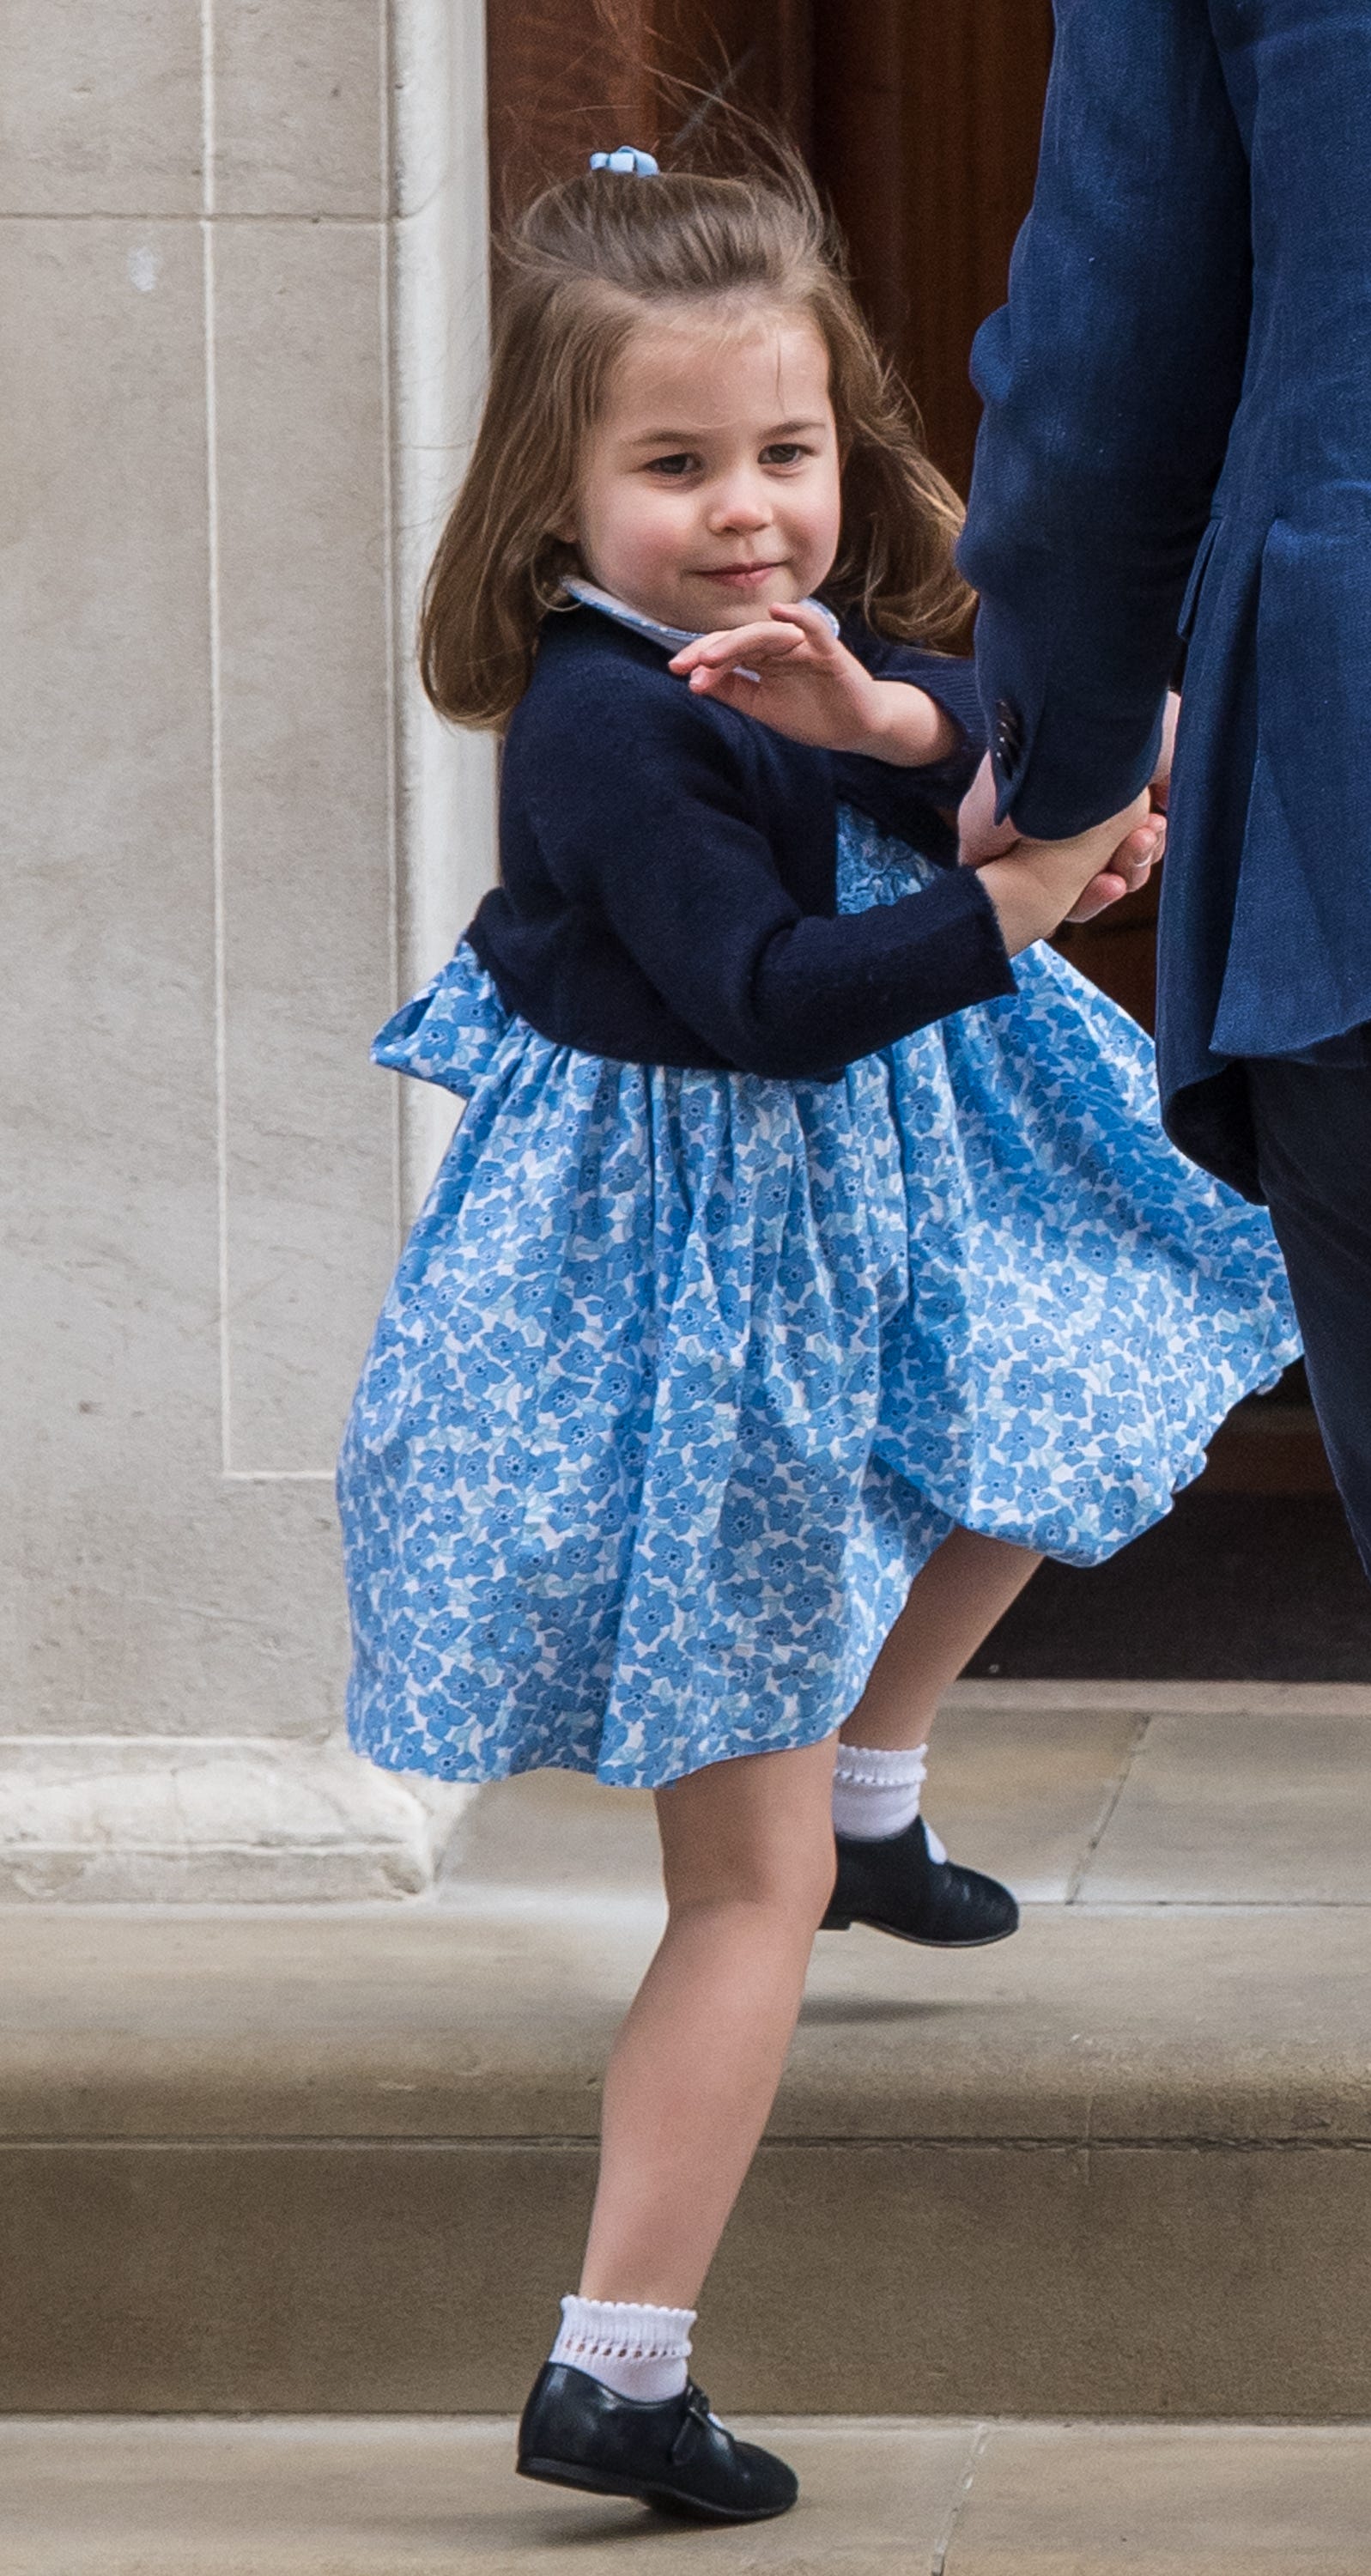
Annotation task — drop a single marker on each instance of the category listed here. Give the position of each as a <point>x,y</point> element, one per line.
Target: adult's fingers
<point>980,836</point>
<point>1140,850</point>
<point>1126,872</point>
<point>1102,890</point>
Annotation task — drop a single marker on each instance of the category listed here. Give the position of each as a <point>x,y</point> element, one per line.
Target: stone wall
<point>242,250</point>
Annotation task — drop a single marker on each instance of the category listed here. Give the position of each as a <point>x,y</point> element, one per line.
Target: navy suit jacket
<point>1177,437</point>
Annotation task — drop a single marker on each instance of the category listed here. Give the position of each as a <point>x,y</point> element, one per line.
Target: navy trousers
<point>1313,1125</point>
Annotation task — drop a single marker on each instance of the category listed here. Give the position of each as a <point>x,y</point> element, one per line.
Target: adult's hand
<point>1036,885</point>
<point>981,838</point>
<point>1130,867</point>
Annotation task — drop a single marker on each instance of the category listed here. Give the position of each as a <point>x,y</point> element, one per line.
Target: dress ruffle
<point>684,1374</point>
<point>451,1032</point>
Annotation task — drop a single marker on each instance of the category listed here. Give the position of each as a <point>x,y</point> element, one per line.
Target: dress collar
<point>670,637</point>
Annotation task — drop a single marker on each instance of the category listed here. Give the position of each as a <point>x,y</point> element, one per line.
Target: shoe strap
<point>697,2416</point>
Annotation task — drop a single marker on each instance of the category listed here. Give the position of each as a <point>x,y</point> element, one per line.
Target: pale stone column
<point>243,260</point>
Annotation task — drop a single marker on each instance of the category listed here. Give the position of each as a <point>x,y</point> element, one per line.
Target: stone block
<point>1024,1793</point>
<point>108,1050</point>
<point>100,110</point>
<point>423,2498</point>
<point>342,2276</point>
<point>420,2496</point>
<point>228,1822</point>
<point>1242,1809</point>
<point>1187,2030</point>
<point>1168,2281</point>
<point>551,1841</point>
<point>143,1594</point>
<point>308,894</point>
<point>300,107</point>
<point>439,315</point>
<point>1166,2500</point>
<point>149,1597</point>
<point>203,908</point>
<point>307,2277</point>
<point>438,71</point>
<point>300,2162</point>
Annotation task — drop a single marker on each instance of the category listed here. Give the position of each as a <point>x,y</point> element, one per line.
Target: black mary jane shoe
<point>671,2454</point>
<point>897,1886</point>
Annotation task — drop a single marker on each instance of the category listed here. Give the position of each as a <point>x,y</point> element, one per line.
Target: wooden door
<point>925,133</point>
<point>569,77</point>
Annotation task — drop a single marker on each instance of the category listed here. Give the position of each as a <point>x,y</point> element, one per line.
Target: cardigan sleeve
<point>951,682</point>
<point>646,812</point>
<point>912,802</point>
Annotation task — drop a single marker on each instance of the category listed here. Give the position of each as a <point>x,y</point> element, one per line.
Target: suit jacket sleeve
<point>1109,381</point>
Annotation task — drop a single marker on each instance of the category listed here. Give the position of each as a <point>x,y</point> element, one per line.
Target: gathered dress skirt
<point>685,1374</point>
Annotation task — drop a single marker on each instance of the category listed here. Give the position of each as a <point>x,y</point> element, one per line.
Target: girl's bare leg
<point>747,1857</point>
<point>954,1602</point>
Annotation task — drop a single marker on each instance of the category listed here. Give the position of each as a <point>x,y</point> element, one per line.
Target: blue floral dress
<point>685,1374</point>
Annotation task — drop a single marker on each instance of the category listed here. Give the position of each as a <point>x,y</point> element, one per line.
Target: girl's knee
<point>794,1897</point>
<point>796,1881</point>
<point>809,1892</point>
<point>756,1832</point>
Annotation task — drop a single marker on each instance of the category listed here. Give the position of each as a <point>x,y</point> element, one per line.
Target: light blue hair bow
<point>639,164</point>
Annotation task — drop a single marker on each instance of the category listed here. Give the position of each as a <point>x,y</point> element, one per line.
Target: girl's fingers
<point>786,627</point>
<point>721,639</point>
<point>731,688</point>
<point>811,621</point>
<point>739,644</point>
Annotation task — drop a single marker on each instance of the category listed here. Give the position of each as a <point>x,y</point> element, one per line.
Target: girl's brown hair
<point>575,272</point>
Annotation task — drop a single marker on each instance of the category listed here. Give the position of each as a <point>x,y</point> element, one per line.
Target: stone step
<point>397,2497</point>
<point>339,2161</point>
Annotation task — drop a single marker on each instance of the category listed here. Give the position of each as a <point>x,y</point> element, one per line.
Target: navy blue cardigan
<point>668,870</point>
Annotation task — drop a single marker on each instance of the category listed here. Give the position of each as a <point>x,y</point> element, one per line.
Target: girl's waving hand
<point>790,669</point>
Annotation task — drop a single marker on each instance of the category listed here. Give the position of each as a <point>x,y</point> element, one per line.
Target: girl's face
<point>711,483</point>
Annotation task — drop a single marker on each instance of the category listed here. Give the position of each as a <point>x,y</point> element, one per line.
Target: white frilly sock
<point>876,1794</point>
<point>637,2351</point>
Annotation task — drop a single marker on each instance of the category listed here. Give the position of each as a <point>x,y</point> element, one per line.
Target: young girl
<point>765,1322</point>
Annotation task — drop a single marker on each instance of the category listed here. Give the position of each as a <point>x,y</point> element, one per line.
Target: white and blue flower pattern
<point>685,1374</point>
